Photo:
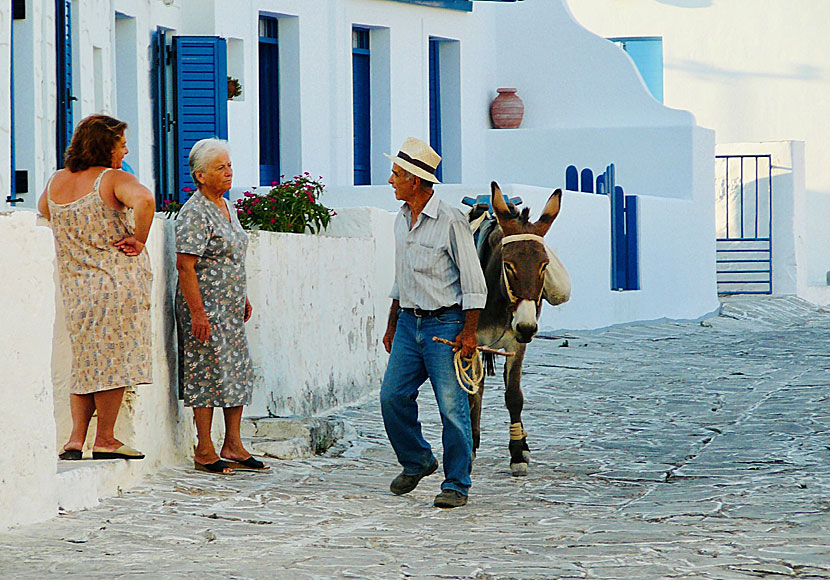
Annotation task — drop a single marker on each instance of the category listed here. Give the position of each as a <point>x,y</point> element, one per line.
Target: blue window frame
<point>435,101</point>
<point>647,54</point>
<point>201,98</point>
<point>465,5</point>
<point>63,44</point>
<point>269,100</point>
<point>361,100</point>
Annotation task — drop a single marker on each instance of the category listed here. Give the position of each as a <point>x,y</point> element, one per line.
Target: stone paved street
<point>662,450</point>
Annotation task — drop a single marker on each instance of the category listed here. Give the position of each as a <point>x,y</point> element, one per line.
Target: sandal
<point>250,464</point>
<point>217,467</point>
<point>71,455</point>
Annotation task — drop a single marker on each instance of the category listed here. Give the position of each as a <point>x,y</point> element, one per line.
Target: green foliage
<point>290,206</point>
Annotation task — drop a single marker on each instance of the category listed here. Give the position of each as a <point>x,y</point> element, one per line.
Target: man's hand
<point>468,342</point>
<point>130,246</point>
<point>248,310</point>
<point>391,326</point>
<point>388,338</point>
<point>467,337</point>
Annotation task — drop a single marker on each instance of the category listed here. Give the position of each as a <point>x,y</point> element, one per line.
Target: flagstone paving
<point>694,450</point>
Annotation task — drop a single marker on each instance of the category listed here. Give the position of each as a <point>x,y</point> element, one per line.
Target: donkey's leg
<point>475,415</point>
<point>514,400</point>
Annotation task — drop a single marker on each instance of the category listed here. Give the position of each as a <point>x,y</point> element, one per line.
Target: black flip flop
<point>217,467</point>
<point>250,464</point>
<point>71,455</point>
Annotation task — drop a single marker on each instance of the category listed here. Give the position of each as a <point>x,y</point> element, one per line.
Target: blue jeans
<point>414,358</point>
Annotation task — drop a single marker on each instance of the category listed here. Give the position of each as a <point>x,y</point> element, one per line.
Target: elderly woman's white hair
<point>203,152</point>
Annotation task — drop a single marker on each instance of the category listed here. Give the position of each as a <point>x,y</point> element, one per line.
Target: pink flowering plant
<point>290,206</point>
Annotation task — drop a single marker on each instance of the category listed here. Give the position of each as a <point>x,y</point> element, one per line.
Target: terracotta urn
<point>507,110</point>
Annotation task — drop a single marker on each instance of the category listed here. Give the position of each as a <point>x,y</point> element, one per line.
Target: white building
<point>328,86</point>
<point>758,73</point>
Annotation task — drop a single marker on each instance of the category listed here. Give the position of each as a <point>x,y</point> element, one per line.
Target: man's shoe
<point>405,483</point>
<point>449,498</point>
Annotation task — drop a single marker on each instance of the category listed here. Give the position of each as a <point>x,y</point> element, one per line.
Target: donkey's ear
<point>549,214</point>
<point>499,205</point>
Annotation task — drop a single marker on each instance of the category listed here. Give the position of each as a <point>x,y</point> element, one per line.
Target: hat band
<point>416,162</point>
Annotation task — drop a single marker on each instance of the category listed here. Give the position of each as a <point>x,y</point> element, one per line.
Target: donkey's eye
<point>508,267</point>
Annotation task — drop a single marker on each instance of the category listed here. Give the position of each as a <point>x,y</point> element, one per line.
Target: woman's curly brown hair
<point>93,142</point>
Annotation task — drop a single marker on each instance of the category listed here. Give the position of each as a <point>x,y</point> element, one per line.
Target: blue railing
<point>743,215</point>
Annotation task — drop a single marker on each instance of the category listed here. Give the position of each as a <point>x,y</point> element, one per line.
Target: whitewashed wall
<point>27,486</point>
<point>752,70</point>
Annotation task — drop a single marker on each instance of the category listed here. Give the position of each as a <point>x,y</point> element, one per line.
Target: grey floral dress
<point>218,372</point>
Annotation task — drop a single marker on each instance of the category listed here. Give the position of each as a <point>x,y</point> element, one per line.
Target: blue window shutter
<point>362,112</point>
<point>201,97</point>
<point>269,101</point>
<point>435,101</point>
<point>63,44</point>
<point>165,189</point>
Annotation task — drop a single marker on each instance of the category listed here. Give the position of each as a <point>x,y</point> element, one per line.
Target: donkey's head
<point>524,259</point>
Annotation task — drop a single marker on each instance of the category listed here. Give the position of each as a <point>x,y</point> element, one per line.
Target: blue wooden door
<point>435,101</point>
<point>269,101</point>
<point>201,98</point>
<point>361,102</point>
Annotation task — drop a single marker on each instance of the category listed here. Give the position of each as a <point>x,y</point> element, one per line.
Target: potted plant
<point>234,88</point>
<point>291,206</point>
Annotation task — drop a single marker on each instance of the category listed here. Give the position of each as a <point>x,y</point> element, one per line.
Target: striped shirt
<point>436,264</point>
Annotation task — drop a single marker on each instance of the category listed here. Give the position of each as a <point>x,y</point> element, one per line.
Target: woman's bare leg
<point>81,407</point>
<point>108,404</point>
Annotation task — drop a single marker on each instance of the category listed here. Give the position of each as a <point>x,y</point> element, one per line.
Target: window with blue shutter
<point>269,101</point>
<point>361,90</point>
<point>162,117</point>
<point>201,98</point>
<point>435,102</point>
<point>63,44</point>
<point>647,54</point>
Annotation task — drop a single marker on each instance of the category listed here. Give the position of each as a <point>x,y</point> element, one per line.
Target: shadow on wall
<point>687,3</point>
<point>803,72</point>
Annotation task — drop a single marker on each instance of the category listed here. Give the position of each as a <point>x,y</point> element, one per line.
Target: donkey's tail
<point>489,364</point>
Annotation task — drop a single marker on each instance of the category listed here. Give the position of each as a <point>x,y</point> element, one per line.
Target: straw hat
<point>418,158</point>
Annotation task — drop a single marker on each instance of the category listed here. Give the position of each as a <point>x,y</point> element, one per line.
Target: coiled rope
<point>470,372</point>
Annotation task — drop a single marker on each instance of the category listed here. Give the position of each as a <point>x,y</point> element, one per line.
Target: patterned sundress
<point>218,372</point>
<point>106,294</point>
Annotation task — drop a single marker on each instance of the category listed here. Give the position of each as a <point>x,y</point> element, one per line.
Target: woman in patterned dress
<point>104,277</point>
<point>212,307</point>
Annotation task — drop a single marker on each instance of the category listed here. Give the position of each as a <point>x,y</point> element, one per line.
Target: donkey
<point>515,261</point>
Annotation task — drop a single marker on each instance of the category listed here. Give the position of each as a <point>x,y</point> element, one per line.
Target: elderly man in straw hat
<point>439,290</point>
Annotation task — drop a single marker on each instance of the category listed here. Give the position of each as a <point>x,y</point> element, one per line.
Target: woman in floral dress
<point>101,218</point>
<point>212,307</point>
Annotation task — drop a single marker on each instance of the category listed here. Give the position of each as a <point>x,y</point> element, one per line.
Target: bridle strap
<point>519,238</point>
<point>522,238</point>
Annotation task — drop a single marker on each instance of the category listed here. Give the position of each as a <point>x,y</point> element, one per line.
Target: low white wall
<point>27,311</point>
<point>319,314</point>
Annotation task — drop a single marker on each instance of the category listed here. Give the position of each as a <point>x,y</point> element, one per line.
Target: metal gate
<point>743,223</point>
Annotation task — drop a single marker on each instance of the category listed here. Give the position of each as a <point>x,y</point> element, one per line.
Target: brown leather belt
<point>418,313</point>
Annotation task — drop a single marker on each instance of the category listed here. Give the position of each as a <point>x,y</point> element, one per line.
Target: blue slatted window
<point>63,44</point>
<point>269,101</point>
<point>647,54</point>
<point>162,118</point>
<point>201,95</point>
<point>435,101</point>
<point>361,91</point>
